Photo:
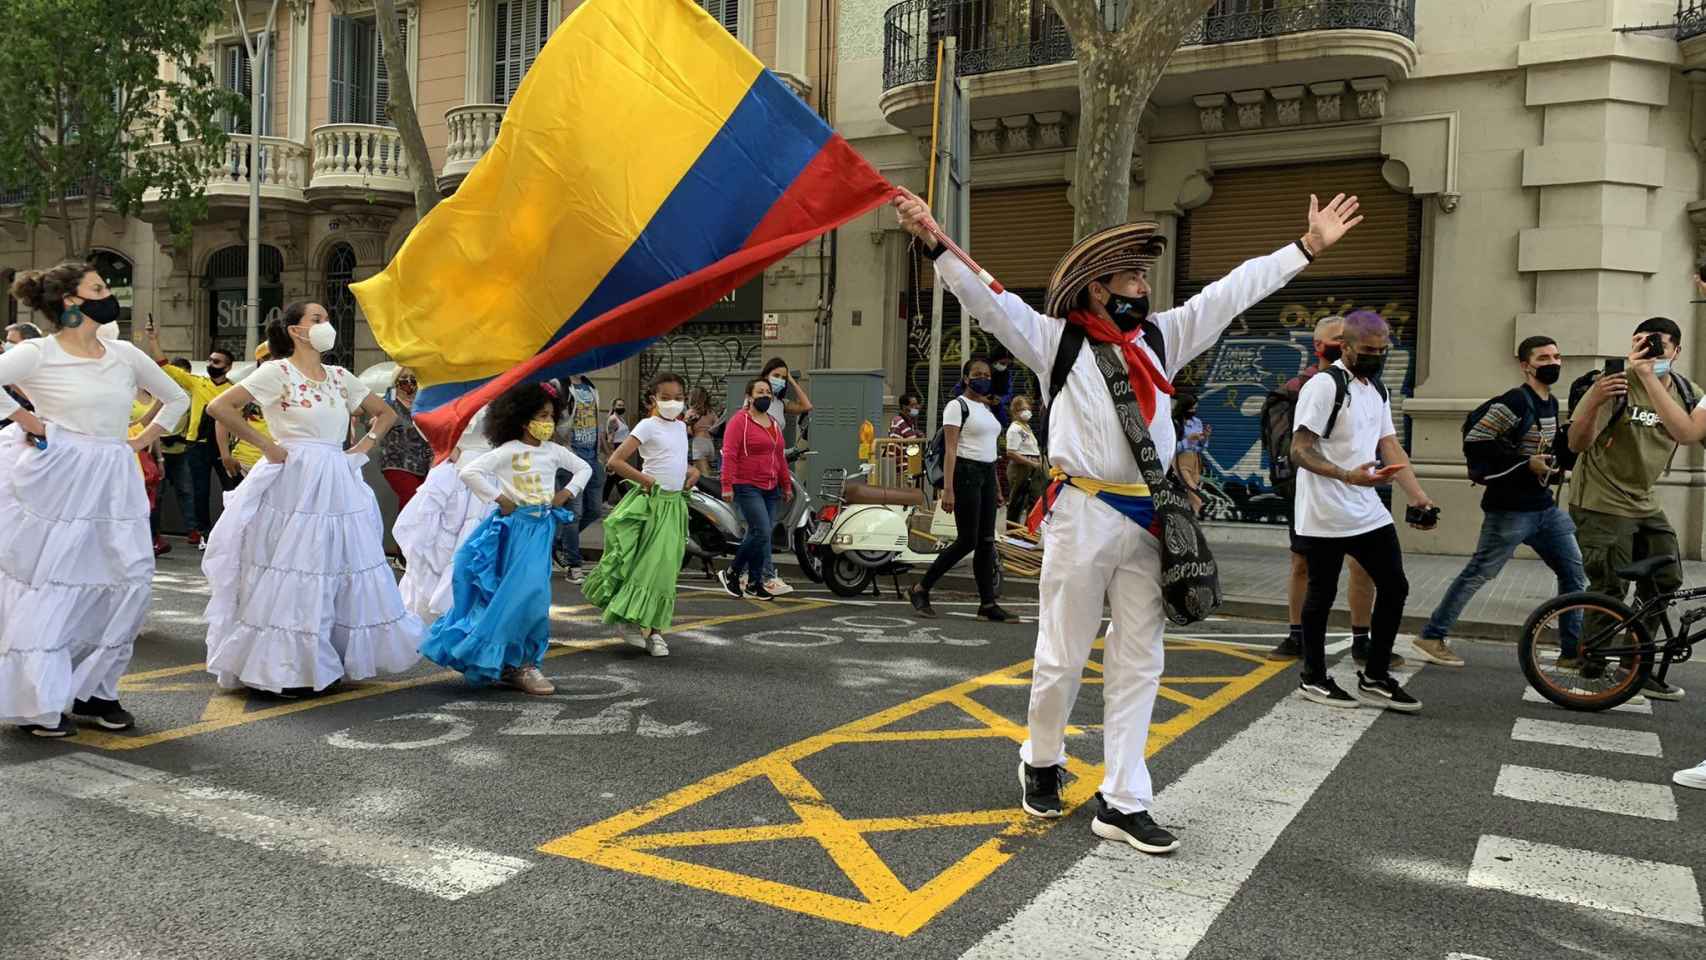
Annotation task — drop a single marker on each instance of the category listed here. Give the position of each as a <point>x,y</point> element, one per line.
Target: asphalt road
<point>816,779</point>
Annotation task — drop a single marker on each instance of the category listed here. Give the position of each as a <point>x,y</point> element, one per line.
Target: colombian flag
<point>648,165</point>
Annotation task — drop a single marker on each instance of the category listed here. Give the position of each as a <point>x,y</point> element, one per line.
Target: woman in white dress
<point>76,557</point>
<point>440,516</point>
<point>302,595</point>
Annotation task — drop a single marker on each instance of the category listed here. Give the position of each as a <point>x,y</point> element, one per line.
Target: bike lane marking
<point>888,905</point>
<point>226,709</point>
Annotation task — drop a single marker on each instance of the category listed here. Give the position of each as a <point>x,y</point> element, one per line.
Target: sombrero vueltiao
<point>1131,246</point>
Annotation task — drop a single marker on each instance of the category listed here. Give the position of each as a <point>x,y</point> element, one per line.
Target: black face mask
<point>1548,373</point>
<point>105,310</point>
<point>1367,366</point>
<point>1128,312</point>
<point>1331,353</point>
<point>217,373</point>
<point>761,404</point>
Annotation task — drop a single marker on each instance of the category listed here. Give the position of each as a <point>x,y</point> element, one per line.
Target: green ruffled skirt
<point>645,538</point>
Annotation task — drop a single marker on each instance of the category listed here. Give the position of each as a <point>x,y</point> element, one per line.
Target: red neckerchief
<point>1145,379</point>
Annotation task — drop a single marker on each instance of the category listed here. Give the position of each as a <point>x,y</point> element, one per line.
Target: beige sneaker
<point>655,645</point>
<point>1437,651</point>
<point>528,680</point>
<point>777,587</point>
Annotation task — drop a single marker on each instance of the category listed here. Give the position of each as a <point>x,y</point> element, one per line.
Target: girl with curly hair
<point>645,537</point>
<point>500,623</point>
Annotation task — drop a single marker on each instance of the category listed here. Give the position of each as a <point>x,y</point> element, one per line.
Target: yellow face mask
<point>541,429</point>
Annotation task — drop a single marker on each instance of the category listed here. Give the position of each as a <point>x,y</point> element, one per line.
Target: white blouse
<point>90,397</point>
<point>524,473</point>
<point>473,441</point>
<point>298,408</point>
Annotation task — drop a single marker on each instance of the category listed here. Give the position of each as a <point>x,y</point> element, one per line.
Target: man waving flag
<point>648,165</point>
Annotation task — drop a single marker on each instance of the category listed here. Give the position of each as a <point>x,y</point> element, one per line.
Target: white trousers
<point>1090,551</point>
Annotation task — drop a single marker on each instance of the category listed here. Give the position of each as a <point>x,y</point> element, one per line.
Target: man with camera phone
<point>1625,429</point>
<point>1510,443</point>
<point>1344,421</point>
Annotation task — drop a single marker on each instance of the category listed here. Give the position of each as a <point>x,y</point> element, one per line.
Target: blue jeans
<point>587,506</point>
<point>758,509</point>
<point>1552,535</point>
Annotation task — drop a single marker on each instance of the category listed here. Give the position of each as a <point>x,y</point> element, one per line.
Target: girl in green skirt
<point>645,537</point>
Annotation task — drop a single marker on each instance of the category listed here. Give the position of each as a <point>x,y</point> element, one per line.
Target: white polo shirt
<point>1328,507</point>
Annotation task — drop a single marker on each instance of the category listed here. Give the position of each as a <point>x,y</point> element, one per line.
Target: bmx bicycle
<point>1618,649</point>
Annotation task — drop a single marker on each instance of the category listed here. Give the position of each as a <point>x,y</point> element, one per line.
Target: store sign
<point>744,304</point>
<point>772,327</point>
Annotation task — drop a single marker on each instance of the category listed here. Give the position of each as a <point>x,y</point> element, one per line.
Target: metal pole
<point>260,55</point>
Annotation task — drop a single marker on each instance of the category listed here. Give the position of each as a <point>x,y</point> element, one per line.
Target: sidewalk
<point>1255,567</point>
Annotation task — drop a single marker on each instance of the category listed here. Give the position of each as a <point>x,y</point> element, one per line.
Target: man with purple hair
<point>1344,425</point>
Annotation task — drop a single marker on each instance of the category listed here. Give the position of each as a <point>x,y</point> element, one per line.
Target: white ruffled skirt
<point>302,594</point>
<point>76,570</point>
<point>429,530</point>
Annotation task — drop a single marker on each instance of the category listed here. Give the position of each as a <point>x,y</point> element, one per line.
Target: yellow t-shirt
<point>201,391</point>
<point>247,454</point>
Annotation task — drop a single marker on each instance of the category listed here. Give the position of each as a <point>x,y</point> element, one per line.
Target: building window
<point>340,303</point>
<point>520,29</point>
<point>726,12</point>
<point>235,75</point>
<point>360,84</point>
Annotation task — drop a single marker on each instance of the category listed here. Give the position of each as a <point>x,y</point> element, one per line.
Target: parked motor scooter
<point>715,528</point>
<point>869,529</point>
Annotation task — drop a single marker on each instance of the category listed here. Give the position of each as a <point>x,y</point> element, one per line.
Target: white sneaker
<point>656,647</point>
<point>633,636</point>
<point>776,587</point>
<point>1692,777</point>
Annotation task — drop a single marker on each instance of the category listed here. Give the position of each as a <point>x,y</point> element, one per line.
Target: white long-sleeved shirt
<point>88,396</point>
<point>524,473</point>
<point>1085,438</point>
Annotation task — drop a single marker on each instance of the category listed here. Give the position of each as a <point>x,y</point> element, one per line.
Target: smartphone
<point>1655,347</point>
<point>1614,365</point>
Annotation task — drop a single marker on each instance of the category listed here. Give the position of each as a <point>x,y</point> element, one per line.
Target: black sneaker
<point>106,714</point>
<point>993,613</point>
<point>1359,653</point>
<point>1326,693</point>
<point>1386,692</point>
<point>1657,689</point>
<point>65,728</point>
<point>1138,829</point>
<point>1041,786</point>
<point>921,603</point>
<point>1291,648</point>
<point>730,583</point>
<point>757,592</point>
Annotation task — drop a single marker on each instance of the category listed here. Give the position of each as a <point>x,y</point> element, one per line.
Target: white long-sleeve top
<point>524,473</point>
<point>88,396</point>
<point>473,441</point>
<point>1085,438</point>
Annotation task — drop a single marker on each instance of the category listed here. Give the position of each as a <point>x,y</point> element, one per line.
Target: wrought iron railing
<point>1690,18</point>
<point>992,35</point>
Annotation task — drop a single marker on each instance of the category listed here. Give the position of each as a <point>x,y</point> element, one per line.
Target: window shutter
<point>726,12</point>
<point>340,93</point>
<point>362,47</point>
<point>500,55</point>
<point>521,28</point>
<point>382,74</point>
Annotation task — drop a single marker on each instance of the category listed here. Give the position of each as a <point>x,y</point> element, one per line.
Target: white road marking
<point>1578,791</point>
<point>443,870</point>
<point>1637,704</point>
<point>1641,743</point>
<point>1465,956</point>
<point>1642,888</point>
<point>1229,809</point>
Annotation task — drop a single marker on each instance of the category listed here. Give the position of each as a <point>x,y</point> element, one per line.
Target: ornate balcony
<point>473,129</point>
<point>1691,31</point>
<point>282,169</point>
<point>1018,49</point>
<point>359,162</point>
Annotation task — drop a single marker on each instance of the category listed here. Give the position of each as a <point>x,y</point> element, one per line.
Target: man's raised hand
<point>1328,224</point>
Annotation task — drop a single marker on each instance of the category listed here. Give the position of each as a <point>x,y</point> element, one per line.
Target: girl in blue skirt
<point>500,623</point>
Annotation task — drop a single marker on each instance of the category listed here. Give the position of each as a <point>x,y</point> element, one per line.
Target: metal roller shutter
<point>1374,268</point>
<point>1018,234</point>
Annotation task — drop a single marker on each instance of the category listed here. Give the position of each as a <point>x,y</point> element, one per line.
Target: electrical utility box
<point>842,400</point>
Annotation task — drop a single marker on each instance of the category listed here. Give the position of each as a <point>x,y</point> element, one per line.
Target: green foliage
<point>106,99</point>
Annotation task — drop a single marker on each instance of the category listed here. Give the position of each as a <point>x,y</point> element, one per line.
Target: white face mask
<point>670,409</point>
<point>107,331</point>
<point>1025,415</point>
<point>322,337</point>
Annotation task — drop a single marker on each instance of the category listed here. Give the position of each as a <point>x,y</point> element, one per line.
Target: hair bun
<point>26,288</point>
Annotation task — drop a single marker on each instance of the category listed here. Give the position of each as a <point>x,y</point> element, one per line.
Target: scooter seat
<point>710,485</point>
<point>864,493</point>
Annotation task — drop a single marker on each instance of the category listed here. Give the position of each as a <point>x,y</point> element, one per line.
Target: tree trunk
<point>1110,101</point>
<point>401,107</point>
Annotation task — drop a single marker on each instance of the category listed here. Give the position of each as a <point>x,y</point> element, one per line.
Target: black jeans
<point>204,462</point>
<point>974,515</point>
<point>1380,555</point>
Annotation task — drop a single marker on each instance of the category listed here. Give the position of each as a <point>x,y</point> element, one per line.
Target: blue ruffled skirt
<point>501,615</point>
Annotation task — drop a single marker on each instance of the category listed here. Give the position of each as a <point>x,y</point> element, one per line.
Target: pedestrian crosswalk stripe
<point>1641,743</point>
<point>443,870</point>
<point>1640,705</point>
<point>1641,888</point>
<point>887,905</point>
<point>1579,791</point>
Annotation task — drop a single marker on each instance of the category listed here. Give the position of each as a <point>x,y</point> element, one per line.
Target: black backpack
<point>1072,341</point>
<point>1527,417</point>
<point>1279,419</point>
<point>1580,386</point>
<point>936,452</point>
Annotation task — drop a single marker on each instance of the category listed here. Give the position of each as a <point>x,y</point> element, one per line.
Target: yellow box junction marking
<point>230,708</point>
<point>888,905</point>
